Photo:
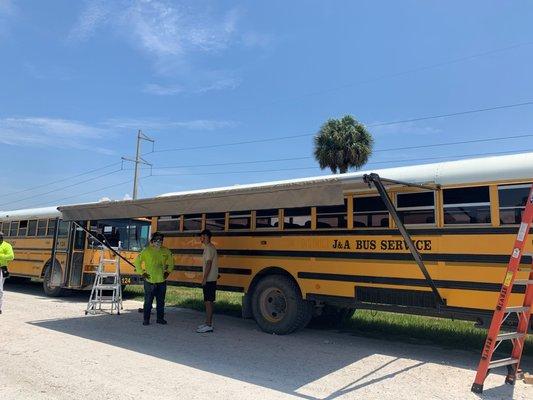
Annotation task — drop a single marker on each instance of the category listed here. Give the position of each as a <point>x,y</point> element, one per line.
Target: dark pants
<point>157,290</point>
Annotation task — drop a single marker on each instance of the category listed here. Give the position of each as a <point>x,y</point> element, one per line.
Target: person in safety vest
<point>6,255</point>
<point>154,263</point>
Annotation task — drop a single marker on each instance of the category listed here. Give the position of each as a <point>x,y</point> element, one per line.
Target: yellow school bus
<point>61,253</point>
<point>325,246</point>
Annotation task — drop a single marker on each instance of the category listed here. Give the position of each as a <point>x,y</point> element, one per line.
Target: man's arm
<point>208,266</point>
<point>139,264</point>
<point>169,264</point>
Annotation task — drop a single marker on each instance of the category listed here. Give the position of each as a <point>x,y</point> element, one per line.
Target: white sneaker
<point>201,326</point>
<point>204,329</point>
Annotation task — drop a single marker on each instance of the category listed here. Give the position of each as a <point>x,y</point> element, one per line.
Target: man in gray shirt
<point>209,279</point>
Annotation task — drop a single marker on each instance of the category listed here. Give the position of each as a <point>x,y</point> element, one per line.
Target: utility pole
<point>138,160</point>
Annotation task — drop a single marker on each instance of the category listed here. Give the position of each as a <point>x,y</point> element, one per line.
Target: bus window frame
<point>433,207</point>
<point>270,228</point>
<point>354,201</point>
<point>507,186</point>
<point>318,214</point>
<point>299,228</point>
<point>456,205</point>
<point>240,214</point>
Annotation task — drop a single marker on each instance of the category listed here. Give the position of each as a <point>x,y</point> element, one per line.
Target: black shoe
<point>161,321</point>
<point>146,322</point>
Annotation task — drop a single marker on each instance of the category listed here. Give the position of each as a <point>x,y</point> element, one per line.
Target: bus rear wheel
<point>49,288</point>
<point>278,307</point>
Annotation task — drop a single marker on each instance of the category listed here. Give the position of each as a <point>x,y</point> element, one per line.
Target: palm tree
<point>343,143</point>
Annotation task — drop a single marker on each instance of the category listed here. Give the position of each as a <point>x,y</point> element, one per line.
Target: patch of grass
<point>373,324</point>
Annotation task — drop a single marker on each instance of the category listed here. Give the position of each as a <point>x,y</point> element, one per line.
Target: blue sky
<point>78,79</point>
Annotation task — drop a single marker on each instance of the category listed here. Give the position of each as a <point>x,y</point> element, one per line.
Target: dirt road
<point>50,350</point>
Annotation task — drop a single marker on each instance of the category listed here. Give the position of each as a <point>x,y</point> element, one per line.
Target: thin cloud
<point>174,89</point>
<point>154,124</point>
<point>165,31</point>
<point>51,132</point>
<point>409,128</point>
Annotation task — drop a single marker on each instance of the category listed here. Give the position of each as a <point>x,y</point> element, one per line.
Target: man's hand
<point>146,275</point>
<point>166,274</point>
<point>204,281</point>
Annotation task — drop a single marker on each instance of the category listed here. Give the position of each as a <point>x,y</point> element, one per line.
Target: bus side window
<point>63,229</point>
<point>370,212</point>
<point>5,228</point>
<point>41,227</point>
<point>50,230</point>
<point>267,219</point>
<point>512,202</point>
<point>416,208</point>
<point>192,222</point>
<point>13,229</point>
<point>297,218</point>
<point>469,205</point>
<point>215,221</point>
<point>32,228</point>
<point>23,228</point>
<point>169,224</point>
<point>332,216</point>
<point>240,220</point>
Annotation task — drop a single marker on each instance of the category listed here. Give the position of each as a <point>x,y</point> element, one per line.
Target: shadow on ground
<point>240,351</point>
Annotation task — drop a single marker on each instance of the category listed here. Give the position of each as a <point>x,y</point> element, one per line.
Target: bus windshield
<point>124,234</point>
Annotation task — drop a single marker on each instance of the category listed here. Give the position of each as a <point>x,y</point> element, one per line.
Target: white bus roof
<point>30,213</point>
<point>318,191</point>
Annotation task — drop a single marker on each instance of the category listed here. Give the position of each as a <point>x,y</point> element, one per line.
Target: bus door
<point>76,251</point>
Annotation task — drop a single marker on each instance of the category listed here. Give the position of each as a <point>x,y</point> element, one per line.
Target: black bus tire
<point>278,307</point>
<point>49,290</point>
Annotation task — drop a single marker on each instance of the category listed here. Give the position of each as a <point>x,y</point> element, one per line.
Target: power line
<point>92,191</point>
<point>375,151</point>
<point>371,163</point>
<point>395,74</point>
<point>61,188</point>
<point>63,179</point>
<point>436,116</point>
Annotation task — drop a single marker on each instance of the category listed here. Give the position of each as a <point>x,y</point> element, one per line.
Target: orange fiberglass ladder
<point>502,312</point>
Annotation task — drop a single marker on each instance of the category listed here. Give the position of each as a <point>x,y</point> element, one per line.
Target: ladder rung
<point>108,260</point>
<point>106,274</point>
<point>502,362</point>
<point>523,282</point>
<point>518,309</point>
<point>509,336</point>
<point>108,286</point>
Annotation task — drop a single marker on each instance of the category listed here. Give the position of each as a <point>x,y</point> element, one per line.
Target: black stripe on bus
<point>199,285</point>
<point>27,259</point>
<point>221,270</point>
<point>31,248</point>
<point>488,287</point>
<point>476,258</point>
<point>489,230</point>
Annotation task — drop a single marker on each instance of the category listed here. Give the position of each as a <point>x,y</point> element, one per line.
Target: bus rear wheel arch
<point>51,274</point>
<point>277,305</point>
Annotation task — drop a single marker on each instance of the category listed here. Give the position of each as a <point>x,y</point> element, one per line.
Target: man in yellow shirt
<point>154,263</point>
<point>6,255</point>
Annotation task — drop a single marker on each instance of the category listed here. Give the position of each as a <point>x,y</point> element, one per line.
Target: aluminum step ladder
<point>107,288</point>
<point>502,312</point>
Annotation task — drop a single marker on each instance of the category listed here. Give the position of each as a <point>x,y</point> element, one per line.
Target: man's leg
<point>209,313</point>
<point>1,290</point>
<point>149,289</point>
<point>160,300</point>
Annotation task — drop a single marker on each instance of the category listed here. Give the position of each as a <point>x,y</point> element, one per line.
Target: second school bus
<point>328,245</point>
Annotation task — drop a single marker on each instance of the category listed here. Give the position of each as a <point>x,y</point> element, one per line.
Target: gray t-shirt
<point>210,254</point>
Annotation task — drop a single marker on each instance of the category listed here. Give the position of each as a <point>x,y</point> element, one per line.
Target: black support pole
<point>376,180</point>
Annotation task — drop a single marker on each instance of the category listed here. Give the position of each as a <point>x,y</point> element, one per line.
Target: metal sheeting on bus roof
<point>295,194</point>
<point>30,213</point>
<point>317,191</point>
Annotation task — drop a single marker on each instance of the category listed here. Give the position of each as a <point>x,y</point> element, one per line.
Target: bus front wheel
<point>50,289</point>
<point>278,307</point>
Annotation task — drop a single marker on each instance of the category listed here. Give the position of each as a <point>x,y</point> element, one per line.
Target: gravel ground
<point>50,350</point>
